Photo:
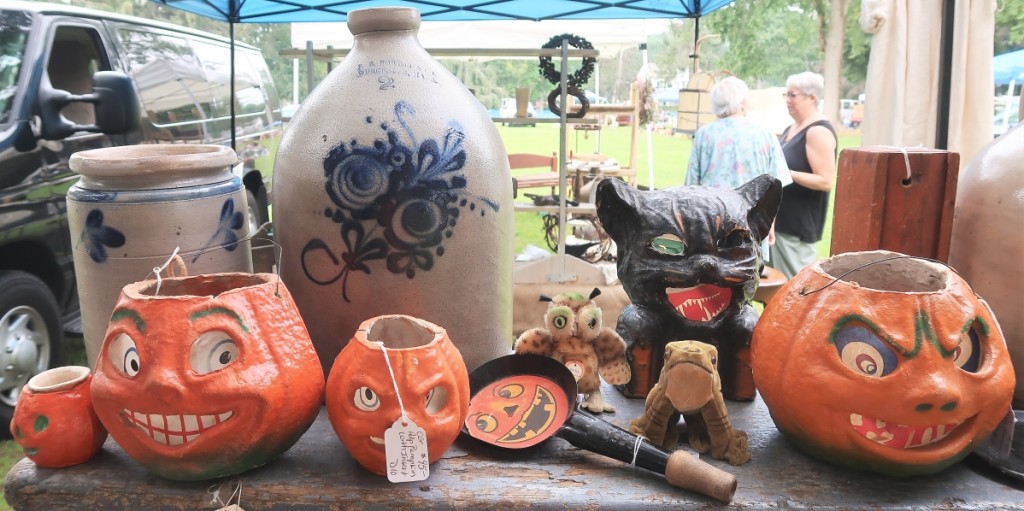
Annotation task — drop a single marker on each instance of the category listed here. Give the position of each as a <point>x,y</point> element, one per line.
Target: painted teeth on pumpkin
<point>175,430</point>
<point>898,435</point>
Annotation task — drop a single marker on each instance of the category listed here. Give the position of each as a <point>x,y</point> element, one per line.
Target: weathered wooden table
<point>318,474</point>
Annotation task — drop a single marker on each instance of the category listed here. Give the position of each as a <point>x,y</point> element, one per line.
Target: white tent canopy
<point>607,36</point>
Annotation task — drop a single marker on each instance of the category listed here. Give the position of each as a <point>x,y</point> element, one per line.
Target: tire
<point>31,339</point>
<point>253,212</point>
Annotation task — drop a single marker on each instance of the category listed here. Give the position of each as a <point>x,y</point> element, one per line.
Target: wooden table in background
<point>771,281</point>
<point>318,474</point>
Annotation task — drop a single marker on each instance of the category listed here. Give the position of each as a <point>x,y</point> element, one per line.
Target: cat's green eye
<point>669,244</point>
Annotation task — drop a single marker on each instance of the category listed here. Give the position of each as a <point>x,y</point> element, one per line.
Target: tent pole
<point>562,170</point>
<point>945,73</point>
<point>309,67</point>
<point>650,126</point>
<point>696,36</point>
<point>231,31</point>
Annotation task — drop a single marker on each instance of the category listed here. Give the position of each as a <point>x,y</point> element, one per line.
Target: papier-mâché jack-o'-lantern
<point>429,372</point>
<point>54,422</point>
<point>895,366</point>
<point>209,376</point>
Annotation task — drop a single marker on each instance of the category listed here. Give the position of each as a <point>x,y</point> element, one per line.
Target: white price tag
<point>405,450</point>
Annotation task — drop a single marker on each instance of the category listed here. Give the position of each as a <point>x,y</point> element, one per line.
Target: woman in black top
<point>810,148</point>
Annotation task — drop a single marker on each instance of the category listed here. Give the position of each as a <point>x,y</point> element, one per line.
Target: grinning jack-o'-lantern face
<point>214,376</point>
<point>517,411</point>
<point>897,368</point>
<point>429,373</point>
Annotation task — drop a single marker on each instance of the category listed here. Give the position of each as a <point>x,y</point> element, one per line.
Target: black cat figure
<point>689,258</point>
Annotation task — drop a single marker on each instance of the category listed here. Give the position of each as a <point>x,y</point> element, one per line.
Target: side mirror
<point>116,104</point>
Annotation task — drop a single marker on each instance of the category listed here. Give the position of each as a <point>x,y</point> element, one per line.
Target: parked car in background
<point>73,79</point>
<point>851,112</point>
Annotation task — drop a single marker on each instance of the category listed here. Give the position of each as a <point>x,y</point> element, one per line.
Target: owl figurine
<point>574,336</point>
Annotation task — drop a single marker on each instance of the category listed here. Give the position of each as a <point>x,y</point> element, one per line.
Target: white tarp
<point>902,91</point>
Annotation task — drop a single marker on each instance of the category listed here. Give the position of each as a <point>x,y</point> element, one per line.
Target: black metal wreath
<point>572,91</point>
<point>576,79</point>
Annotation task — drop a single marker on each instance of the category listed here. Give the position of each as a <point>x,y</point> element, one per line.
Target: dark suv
<point>75,79</point>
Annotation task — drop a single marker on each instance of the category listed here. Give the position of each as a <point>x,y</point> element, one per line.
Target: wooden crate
<point>878,207</point>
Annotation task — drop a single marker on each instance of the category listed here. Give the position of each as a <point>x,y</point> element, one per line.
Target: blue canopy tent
<point>1008,66</point>
<point>295,11</point>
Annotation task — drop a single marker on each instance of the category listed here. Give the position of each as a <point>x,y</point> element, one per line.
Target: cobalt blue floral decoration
<point>398,198</point>
<point>225,236</point>
<point>97,237</point>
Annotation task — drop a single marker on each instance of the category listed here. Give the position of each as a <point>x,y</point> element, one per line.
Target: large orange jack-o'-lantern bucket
<point>54,422</point>
<point>428,372</point>
<point>207,376</point>
<point>882,362</point>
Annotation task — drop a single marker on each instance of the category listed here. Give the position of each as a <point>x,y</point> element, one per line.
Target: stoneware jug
<point>427,379</point>
<point>207,376</point>
<point>133,205</point>
<point>54,422</point>
<point>393,195</point>
<point>882,362</point>
<point>987,242</point>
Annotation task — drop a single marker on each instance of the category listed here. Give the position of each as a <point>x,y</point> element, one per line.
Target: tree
<point>766,40</point>
<point>1009,20</point>
<point>856,50</point>
<point>809,33</point>
<point>834,32</point>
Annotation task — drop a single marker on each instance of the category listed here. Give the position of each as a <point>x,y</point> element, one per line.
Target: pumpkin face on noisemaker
<point>897,367</point>
<point>214,376</point>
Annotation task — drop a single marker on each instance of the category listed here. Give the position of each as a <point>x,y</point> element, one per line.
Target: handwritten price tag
<point>405,450</point>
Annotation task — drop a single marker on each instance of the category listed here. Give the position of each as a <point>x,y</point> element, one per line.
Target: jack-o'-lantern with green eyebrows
<point>882,362</point>
<point>207,376</point>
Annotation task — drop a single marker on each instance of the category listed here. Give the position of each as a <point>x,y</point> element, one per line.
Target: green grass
<point>671,155</point>
<point>10,453</point>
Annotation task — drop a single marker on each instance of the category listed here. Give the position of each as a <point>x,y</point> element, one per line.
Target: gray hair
<point>811,84</point>
<point>728,96</point>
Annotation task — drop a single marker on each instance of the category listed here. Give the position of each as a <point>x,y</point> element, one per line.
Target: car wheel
<point>30,337</point>
<point>253,212</point>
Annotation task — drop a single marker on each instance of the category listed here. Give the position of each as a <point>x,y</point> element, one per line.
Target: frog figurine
<point>690,386</point>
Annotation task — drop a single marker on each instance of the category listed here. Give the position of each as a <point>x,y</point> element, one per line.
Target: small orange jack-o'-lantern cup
<point>54,421</point>
<point>207,376</point>
<point>429,372</point>
<point>882,362</point>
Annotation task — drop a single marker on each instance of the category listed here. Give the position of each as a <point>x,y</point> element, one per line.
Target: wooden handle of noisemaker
<point>684,470</point>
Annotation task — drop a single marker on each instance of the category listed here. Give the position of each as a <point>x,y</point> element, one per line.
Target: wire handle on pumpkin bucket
<point>179,263</point>
<point>278,252</point>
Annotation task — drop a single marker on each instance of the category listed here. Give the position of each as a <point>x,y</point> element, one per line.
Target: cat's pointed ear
<point>617,203</point>
<point>764,194</point>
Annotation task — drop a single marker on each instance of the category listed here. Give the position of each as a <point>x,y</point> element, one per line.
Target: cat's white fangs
<point>699,303</point>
